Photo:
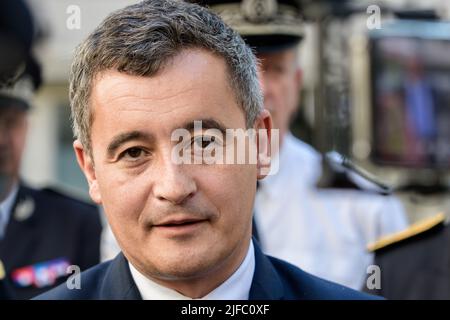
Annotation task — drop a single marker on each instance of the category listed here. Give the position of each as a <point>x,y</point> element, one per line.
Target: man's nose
<point>175,184</point>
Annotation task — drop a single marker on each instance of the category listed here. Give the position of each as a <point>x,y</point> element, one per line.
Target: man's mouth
<point>179,222</point>
<point>180,226</point>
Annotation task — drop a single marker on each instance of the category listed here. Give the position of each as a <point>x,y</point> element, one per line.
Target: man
<point>147,72</point>
<point>42,232</point>
<point>324,232</point>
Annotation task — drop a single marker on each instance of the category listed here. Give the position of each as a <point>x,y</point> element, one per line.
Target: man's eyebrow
<point>122,138</point>
<point>206,124</point>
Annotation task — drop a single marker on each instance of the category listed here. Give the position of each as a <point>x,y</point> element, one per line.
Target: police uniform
<point>325,232</point>
<point>42,232</point>
<point>415,263</point>
<point>47,231</point>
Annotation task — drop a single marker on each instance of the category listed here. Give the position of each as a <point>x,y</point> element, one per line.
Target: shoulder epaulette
<point>413,230</point>
<point>2,270</point>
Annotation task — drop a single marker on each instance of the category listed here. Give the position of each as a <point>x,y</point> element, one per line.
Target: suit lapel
<point>118,284</point>
<point>266,284</point>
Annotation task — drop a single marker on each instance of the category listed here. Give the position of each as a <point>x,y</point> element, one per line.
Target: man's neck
<point>199,287</point>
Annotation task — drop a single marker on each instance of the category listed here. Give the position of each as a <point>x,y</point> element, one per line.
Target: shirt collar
<point>236,287</point>
<point>6,207</point>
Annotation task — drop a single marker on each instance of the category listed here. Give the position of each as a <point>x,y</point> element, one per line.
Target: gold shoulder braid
<point>414,229</point>
<point>2,271</point>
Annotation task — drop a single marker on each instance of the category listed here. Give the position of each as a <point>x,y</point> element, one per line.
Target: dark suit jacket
<point>417,267</point>
<point>273,280</point>
<point>46,232</point>
<point>4,292</point>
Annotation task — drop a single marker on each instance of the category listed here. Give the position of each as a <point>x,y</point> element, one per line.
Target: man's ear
<point>86,164</point>
<point>263,127</point>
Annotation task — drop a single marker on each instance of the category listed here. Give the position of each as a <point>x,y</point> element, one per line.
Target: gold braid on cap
<point>261,17</point>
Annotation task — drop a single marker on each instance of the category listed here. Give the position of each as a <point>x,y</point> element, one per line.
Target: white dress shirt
<point>324,232</point>
<point>6,207</point>
<point>236,287</point>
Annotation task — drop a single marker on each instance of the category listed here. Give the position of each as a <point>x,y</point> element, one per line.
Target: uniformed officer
<point>42,232</point>
<point>324,232</point>
<point>414,263</point>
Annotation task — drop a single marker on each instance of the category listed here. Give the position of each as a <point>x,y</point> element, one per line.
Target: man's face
<point>13,130</point>
<point>172,221</point>
<point>280,79</point>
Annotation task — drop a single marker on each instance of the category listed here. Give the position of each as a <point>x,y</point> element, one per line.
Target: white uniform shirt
<point>324,232</point>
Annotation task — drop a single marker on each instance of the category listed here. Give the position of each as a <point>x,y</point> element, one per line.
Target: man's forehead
<point>119,93</point>
<point>111,84</point>
<point>135,98</point>
<point>189,62</point>
<point>194,72</point>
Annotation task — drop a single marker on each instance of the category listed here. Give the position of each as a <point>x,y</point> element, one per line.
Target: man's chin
<point>182,264</point>
<point>178,271</point>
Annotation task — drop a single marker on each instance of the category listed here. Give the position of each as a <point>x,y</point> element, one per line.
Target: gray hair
<point>142,38</point>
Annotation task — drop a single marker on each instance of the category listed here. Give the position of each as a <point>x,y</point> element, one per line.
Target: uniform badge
<point>259,11</point>
<point>41,274</point>
<point>24,209</point>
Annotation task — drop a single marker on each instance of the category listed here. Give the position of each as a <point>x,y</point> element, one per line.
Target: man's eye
<point>204,141</point>
<point>132,153</point>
